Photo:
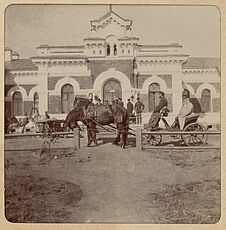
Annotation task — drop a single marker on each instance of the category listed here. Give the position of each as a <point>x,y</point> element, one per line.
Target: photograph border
<point>221,5</point>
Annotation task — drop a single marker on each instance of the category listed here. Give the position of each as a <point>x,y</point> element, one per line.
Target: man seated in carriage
<point>186,111</point>
<point>155,117</point>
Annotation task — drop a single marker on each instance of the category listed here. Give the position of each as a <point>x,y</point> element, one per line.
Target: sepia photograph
<point>112,114</point>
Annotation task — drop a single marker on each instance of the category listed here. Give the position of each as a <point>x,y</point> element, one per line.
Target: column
<point>43,86</point>
<point>177,90</point>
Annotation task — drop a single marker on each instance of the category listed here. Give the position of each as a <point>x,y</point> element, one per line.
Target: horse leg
<point>124,136</point>
<point>89,135</point>
<point>119,131</point>
<point>93,130</point>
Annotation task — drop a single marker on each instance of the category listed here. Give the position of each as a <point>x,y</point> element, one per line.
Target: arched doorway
<point>153,96</point>
<point>206,101</point>
<point>17,104</point>
<point>36,100</point>
<point>67,98</point>
<point>112,88</point>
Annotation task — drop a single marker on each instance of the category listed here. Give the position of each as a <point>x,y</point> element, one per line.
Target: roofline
<point>47,46</point>
<point>59,57</point>
<point>106,15</point>
<point>128,38</point>
<point>93,38</point>
<point>165,55</point>
<point>24,69</point>
<point>156,46</point>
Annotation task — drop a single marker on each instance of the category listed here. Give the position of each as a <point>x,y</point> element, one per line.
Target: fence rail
<point>75,133</point>
<point>34,134</point>
<point>140,132</point>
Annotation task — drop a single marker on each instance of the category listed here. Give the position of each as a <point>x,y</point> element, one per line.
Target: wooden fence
<point>75,133</point>
<point>140,133</point>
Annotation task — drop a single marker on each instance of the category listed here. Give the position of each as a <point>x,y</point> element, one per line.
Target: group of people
<point>91,113</point>
<point>185,111</point>
<point>138,108</point>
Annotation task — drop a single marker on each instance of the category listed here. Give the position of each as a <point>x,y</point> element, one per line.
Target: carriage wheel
<point>151,140</point>
<point>194,139</point>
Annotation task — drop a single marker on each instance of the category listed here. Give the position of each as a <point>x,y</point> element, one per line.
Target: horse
<point>103,115</point>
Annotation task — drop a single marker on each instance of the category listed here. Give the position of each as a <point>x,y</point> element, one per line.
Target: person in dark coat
<point>155,117</point>
<point>139,107</point>
<point>120,102</point>
<point>130,107</point>
<point>91,127</point>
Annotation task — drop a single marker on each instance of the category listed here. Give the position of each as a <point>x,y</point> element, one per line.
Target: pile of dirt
<point>31,199</point>
<point>191,203</point>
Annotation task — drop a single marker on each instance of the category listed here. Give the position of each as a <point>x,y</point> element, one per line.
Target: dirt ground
<point>107,184</point>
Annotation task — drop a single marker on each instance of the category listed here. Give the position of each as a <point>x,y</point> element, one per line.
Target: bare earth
<point>107,184</point>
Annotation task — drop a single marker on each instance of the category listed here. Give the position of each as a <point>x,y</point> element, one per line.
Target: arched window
<point>17,104</point>
<point>108,50</point>
<point>153,96</point>
<point>115,50</point>
<point>67,98</point>
<point>36,100</point>
<point>206,101</point>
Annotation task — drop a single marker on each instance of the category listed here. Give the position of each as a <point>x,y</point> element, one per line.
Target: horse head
<point>77,114</point>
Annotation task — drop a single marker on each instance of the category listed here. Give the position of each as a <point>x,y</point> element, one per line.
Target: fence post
<point>76,138</point>
<point>139,139</point>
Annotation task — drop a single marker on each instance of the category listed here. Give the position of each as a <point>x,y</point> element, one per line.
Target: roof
<point>107,15</point>
<point>20,64</point>
<point>128,38</point>
<point>93,38</point>
<point>47,46</point>
<point>202,63</point>
<point>160,46</point>
<point>163,55</point>
<point>15,53</point>
<point>7,49</point>
<point>60,57</point>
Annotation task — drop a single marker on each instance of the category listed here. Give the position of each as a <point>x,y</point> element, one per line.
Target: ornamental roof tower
<point>110,24</point>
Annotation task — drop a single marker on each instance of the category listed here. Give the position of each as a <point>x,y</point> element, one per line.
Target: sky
<point>196,28</point>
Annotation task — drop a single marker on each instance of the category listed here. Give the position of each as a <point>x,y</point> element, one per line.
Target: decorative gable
<point>110,24</point>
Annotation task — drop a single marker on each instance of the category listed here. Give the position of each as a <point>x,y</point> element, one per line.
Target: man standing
<point>130,108</point>
<point>106,102</point>
<point>120,102</point>
<point>155,117</point>
<point>139,107</point>
<point>91,127</point>
<point>99,102</point>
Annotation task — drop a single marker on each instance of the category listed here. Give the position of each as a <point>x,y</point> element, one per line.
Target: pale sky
<point>196,28</point>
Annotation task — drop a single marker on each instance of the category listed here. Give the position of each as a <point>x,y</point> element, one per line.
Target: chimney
<point>15,56</point>
<point>8,54</point>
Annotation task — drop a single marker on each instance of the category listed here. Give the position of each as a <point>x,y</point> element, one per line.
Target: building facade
<point>111,63</point>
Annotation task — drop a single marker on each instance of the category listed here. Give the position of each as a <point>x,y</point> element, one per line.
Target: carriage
<point>195,135</point>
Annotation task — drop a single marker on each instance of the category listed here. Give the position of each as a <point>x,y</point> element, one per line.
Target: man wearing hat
<point>129,108</point>
<point>99,101</point>
<point>185,111</point>
<point>139,107</point>
<point>91,127</point>
<point>120,102</point>
<point>155,117</point>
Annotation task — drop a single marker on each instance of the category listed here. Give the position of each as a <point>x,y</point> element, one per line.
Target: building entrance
<point>112,88</point>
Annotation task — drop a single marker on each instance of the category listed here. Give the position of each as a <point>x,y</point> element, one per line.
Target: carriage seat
<point>190,119</point>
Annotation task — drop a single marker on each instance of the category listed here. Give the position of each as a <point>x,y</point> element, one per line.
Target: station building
<point>111,63</point>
